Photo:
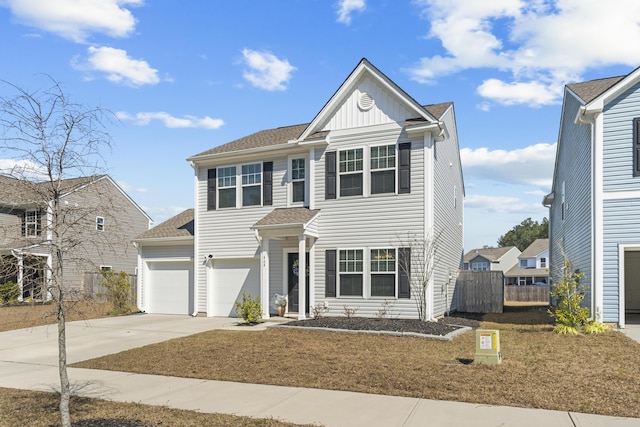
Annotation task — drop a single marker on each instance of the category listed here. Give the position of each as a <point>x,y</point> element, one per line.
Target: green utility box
<point>488,347</point>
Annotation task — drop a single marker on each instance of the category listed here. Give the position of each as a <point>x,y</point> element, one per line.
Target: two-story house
<point>532,267</point>
<point>100,220</point>
<point>595,197</point>
<point>320,211</point>
<point>491,259</point>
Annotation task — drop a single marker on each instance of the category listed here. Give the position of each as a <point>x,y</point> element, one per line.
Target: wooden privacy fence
<point>528,293</point>
<point>93,287</point>
<point>480,291</point>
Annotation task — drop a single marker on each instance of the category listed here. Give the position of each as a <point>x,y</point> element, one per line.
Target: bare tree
<point>49,143</point>
<point>417,260</point>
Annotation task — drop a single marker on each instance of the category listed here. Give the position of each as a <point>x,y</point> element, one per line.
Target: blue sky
<point>185,76</point>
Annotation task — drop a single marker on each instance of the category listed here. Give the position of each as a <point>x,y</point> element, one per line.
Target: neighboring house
<point>532,267</point>
<point>595,197</point>
<point>165,266</point>
<point>99,216</point>
<point>371,168</point>
<point>491,259</point>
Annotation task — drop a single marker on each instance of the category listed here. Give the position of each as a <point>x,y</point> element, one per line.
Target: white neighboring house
<point>491,259</point>
<point>372,166</point>
<point>532,267</point>
<point>595,198</point>
<point>165,267</point>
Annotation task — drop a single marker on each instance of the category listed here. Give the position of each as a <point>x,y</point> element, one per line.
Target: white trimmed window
<point>350,272</point>
<point>543,263</point>
<point>252,184</point>
<point>105,268</point>
<point>383,169</point>
<point>383,272</point>
<point>31,223</point>
<point>99,223</point>
<point>524,263</point>
<point>298,176</point>
<point>227,187</point>
<point>350,168</point>
<point>481,265</point>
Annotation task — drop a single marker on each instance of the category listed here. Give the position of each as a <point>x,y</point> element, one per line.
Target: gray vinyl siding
<point>10,225</point>
<point>572,236</point>
<point>618,141</point>
<point>621,226</point>
<point>448,218</point>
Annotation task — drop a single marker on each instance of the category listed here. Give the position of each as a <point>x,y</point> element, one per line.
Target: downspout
<point>195,241</point>
<point>139,249</point>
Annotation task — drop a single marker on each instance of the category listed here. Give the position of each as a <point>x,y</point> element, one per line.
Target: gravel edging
<point>447,337</point>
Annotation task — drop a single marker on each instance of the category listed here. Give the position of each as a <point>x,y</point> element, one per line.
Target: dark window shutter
<point>404,265</point>
<point>330,276</point>
<point>636,146</point>
<point>211,189</point>
<point>404,168</point>
<point>330,175</point>
<point>267,183</point>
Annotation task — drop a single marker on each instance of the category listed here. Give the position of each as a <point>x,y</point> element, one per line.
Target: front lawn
<point>595,374</point>
<point>29,315</point>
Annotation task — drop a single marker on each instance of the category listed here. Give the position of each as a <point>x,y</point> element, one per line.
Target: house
<point>373,169</point>
<point>595,197</point>
<point>532,267</point>
<point>100,221</point>
<point>492,259</point>
<point>165,266</point>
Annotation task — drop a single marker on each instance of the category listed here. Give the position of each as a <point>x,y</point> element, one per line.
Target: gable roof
<point>491,254</point>
<point>179,226</point>
<point>590,90</point>
<point>538,246</point>
<point>15,191</point>
<point>286,216</point>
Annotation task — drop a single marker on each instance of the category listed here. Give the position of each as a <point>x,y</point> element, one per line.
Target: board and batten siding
<point>621,226</point>
<point>618,141</point>
<point>372,222</point>
<point>572,236</point>
<point>448,200</point>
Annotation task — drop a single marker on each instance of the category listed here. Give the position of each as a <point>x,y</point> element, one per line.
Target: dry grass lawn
<point>39,409</point>
<point>595,374</point>
<point>38,314</point>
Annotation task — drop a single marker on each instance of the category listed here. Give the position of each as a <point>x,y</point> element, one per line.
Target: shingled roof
<point>492,254</point>
<point>287,216</point>
<point>16,191</point>
<point>181,225</point>
<point>588,91</point>
<point>538,245</point>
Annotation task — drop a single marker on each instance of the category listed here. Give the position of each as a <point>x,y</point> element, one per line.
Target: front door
<point>632,281</point>
<point>294,290</point>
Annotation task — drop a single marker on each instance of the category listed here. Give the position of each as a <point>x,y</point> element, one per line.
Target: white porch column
<point>312,270</point>
<point>264,277</point>
<point>302,269</point>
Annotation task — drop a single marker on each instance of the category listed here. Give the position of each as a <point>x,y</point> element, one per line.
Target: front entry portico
<point>282,224</point>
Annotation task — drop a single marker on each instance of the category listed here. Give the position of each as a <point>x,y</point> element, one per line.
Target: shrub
<point>9,292</point>
<point>118,291</point>
<point>250,309</point>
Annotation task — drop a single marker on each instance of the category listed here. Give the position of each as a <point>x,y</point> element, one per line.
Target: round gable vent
<point>365,102</point>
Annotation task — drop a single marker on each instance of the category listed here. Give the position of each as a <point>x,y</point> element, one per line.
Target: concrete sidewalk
<point>28,360</point>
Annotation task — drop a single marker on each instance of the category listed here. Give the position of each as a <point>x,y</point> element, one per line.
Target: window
<point>480,265</point>
<point>350,271</point>
<point>31,223</point>
<point>563,206</point>
<point>351,164</point>
<point>227,187</point>
<point>298,174</point>
<point>543,263</point>
<point>100,223</point>
<point>383,272</point>
<point>523,263</point>
<point>636,146</point>
<point>383,169</point>
<point>105,268</point>
<point>252,184</point>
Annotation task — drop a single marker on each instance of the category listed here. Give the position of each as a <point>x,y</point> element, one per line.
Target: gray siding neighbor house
<point>491,259</point>
<point>371,168</point>
<point>100,221</point>
<point>595,198</point>
<point>532,267</point>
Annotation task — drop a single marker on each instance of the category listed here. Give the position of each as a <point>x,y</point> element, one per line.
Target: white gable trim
<point>614,91</point>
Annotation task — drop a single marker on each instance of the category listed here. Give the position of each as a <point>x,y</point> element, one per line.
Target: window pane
<point>351,160</point>
<point>383,285</point>
<point>227,198</point>
<point>298,191</point>
<point>251,195</point>
<point>351,284</point>
<point>227,177</point>
<point>351,184</point>
<point>297,169</point>
<point>383,157</point>
<point>383,182</point>
<point>383,260</point>
<point>251,174</point>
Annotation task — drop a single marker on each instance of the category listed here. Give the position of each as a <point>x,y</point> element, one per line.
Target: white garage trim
<point>169,286</point>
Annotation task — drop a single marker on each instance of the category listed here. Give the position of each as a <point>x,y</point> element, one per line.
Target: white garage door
<point>170,287</point>
<point>232,277</point>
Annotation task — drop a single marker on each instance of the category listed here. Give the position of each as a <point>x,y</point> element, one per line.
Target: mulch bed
<point>441,328</point>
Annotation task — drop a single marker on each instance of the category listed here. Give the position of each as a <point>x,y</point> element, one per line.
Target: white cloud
<point>503,205</point>
<point>22,169</point>
<point>531,165</point>
<point>347,7</point>
<point>118,66</point>
<point>76,19</point>
<point>266,71</point>
<point>144,118</point>
<point>128,188</point>
<point>541,44</point>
